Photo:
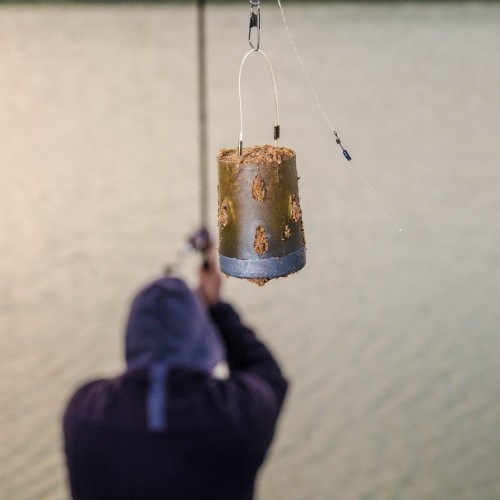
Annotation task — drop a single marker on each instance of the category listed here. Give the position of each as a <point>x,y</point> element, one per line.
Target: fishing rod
<point>200,240</point>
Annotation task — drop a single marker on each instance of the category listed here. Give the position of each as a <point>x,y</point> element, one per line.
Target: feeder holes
<point>295,209</point>
<point>223,216</point>
<point>260,243</point>
<point>259,188</point>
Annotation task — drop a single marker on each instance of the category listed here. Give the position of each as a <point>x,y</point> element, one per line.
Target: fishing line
<point>311,86</point>
<point>327,120</point>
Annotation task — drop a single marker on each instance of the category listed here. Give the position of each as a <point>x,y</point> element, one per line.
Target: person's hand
<point>209,280</point>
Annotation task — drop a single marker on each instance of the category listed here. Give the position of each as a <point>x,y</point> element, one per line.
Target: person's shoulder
<point>88,401</point>
<point>245,397</point>
<point>248,406</point>
<point>213,399</point>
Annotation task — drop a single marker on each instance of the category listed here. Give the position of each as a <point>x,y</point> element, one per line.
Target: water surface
<point>390,339</point>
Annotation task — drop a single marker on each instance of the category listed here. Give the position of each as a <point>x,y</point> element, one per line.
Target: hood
<point>169,326</point>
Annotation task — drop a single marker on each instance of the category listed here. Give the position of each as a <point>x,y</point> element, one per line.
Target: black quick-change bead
<point>276,132</point>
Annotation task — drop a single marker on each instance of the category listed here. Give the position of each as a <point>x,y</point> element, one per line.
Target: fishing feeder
<point>261,234</point>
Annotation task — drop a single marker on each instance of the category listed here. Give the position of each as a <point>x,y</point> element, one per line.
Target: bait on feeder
<point>260,220</point>
<point>261,233</point>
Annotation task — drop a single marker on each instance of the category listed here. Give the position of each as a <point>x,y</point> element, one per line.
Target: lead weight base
<point>272,267</point>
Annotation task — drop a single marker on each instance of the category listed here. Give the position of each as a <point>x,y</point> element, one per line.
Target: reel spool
<point>261,233</point>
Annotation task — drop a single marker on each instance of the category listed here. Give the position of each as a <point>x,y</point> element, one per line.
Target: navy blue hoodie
<point>168,428</point>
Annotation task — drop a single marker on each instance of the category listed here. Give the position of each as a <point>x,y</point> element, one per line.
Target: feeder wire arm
<point>254,42</point>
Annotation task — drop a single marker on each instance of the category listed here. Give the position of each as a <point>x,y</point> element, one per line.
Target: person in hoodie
<point>194,413</point>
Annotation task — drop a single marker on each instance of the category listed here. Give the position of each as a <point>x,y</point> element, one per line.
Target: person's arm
<point>245,351</point>
<point>253,395</point>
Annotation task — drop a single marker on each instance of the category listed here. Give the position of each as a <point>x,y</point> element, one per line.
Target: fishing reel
<point>199,242</point>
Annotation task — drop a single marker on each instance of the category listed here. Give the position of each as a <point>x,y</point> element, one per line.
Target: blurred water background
<point>391,339</point>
